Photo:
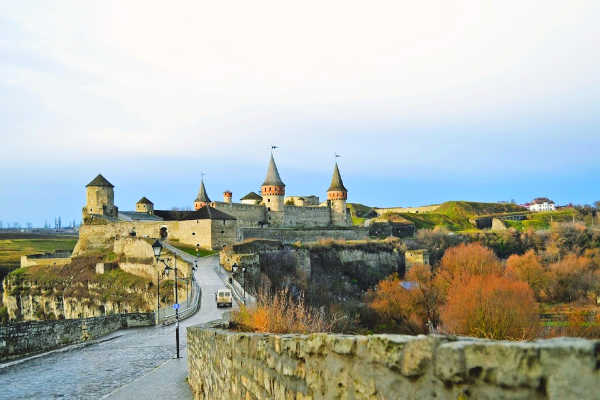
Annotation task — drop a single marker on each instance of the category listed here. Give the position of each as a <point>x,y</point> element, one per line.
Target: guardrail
<point>166,315</point>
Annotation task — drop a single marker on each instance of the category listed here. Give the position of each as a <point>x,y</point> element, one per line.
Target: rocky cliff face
<point>326,272</point>
<point>76,291</point>
<point>26,300</point>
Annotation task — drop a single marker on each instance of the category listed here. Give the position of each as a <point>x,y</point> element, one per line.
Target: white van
<point>223,297</point>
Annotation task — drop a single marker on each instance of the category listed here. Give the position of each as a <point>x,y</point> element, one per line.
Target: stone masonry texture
<point>23,338</point>
<point>226,364</point>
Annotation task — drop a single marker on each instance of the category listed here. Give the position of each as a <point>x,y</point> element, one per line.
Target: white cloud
<point>114,78</point>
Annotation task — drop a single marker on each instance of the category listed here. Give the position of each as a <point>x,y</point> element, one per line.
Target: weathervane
<point>273,148</point>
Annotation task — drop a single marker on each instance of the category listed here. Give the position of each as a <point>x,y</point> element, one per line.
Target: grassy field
<point>11,250</point>
<point>192,250</point>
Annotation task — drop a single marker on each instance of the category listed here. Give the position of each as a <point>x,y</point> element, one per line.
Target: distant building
<point>541,204</point>
<point>251,198</point>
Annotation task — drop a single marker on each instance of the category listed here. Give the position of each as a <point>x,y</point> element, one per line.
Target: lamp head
<point>156,248</point>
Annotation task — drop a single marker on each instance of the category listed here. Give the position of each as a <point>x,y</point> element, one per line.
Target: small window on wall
<point>268,200</point>
<point>193,233</point>
<point>222,231</point>
<point>268,208</point>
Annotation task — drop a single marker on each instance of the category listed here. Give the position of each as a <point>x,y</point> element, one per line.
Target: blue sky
<point>425,102</point>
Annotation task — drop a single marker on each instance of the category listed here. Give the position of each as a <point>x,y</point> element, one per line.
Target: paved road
<point>131,363</point>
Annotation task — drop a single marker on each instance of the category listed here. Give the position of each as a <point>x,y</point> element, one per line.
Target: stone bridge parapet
<point>234,365</point>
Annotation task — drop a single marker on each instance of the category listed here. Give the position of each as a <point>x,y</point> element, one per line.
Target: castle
<point>273,209</point>
<point>214,224</point>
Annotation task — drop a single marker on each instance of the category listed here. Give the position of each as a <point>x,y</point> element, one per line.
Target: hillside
<point>467,209</point>
<point>360,213</point>
<point>453,215</point>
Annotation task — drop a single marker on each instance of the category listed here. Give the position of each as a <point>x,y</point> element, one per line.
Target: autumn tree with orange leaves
<point>528,268</point>
<point>463,261</point>
<point>492,307</point>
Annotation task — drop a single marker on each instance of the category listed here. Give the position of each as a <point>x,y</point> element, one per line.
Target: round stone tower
<point>202,198</point>
<point>337,194</point>
<point>273,189</point>
<point>100,198</point>
<point>227,195</point>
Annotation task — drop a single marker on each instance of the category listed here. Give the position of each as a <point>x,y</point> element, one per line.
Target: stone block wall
<point>291,235</point>
<point>246,214</point>
<point>208,234</point>
<point>23,338</point>
<point>232,365</point>
<point>307,216</point>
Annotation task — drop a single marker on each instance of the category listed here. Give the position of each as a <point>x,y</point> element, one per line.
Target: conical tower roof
<point>336,181</point>
<point>100,181</point>
<point>202,196</point>
<point>273,178</point>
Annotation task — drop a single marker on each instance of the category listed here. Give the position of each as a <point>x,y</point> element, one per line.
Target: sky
<point>425,101</point>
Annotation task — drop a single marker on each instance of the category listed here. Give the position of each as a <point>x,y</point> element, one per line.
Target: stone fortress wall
<point>247,215</point>
<point>413,210</point>
<point>191,232</point>
<point>307,216</point>
<point>233,365</point>
<point>20,339</point>
<point>137,257</point>
<point>291,235</point>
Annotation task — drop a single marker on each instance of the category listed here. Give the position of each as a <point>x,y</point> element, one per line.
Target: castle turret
<point>337,194</point>
<point>202,198</point>
<point>100,198</point>
<point>273,189</point>
<point>227,195</point>
<point>144,206</point>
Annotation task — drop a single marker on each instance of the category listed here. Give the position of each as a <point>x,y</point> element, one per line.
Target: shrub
<point>280,313</point>
<point>527,268</point>
<point>571,278</point>
<point>493,307</point>
<point>398,309</point>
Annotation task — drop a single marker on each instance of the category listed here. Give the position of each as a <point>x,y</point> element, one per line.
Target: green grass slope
<point>359,213</point>
<point>468,209</point>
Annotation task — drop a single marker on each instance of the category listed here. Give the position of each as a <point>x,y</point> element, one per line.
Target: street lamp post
<point>157,248</point>
<point>157,295</point>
